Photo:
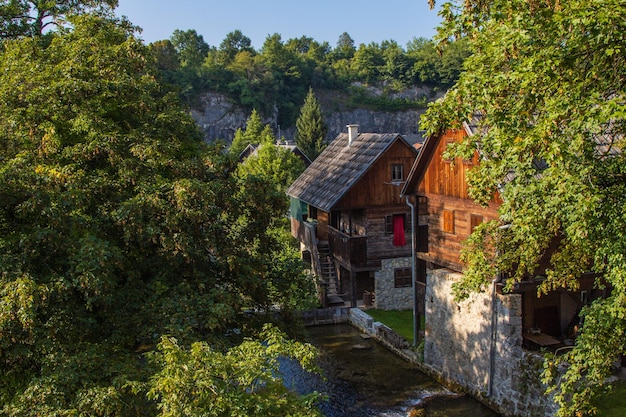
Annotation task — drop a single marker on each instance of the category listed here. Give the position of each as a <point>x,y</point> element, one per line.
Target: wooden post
<point>353,288</point>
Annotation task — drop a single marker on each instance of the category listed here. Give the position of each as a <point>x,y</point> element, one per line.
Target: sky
<point>366,21</point>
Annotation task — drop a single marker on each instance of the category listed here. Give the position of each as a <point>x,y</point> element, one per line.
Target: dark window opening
<point>389,230</point>
<point>475,220</point>
<point>402,277</point>
<point>397,172</point>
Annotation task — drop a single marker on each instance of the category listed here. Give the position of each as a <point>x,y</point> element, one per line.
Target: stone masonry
<point>462,346</point>
<point>387,296</point>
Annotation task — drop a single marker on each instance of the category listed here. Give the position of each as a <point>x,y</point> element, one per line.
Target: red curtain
<point>398,230</point>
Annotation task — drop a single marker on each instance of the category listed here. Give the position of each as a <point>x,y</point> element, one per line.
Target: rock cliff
<point>219,117</point>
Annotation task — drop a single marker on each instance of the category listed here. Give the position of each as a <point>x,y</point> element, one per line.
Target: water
<point>364,379</point>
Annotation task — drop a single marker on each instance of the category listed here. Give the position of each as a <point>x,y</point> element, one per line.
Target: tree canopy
<point>254,133</point>
<point>546,83</point>
<point>31,17</point>
<point>118,226</point>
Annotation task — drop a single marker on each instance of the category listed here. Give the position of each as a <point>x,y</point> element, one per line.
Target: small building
<point>252,149</point>
<point>347,213</point>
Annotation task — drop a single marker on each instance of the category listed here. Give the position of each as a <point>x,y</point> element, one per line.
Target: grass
<point>612,404</point>
<point>401,321</point>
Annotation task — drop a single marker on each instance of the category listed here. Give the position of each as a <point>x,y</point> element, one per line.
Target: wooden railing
<point>352,249</point>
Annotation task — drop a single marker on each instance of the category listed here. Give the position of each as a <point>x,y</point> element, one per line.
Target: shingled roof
<point>339,167</point>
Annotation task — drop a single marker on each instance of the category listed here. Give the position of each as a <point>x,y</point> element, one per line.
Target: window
<point>448,221</point>
<point>397,172</point>
<point>402,277</point>
<point>389,223</point>
<point>475,220</point>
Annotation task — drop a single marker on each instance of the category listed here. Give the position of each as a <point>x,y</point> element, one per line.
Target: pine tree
<point>255,133</point>
<point>310,127</point>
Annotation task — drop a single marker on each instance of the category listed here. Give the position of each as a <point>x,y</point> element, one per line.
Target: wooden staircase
<point>329,275</point>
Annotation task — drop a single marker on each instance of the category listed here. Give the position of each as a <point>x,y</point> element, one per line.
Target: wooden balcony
<point>349,249</point>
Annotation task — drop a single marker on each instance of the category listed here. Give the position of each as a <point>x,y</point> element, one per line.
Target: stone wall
<point>383,334</point>
<point>459,345</point>
<point>387,296</point>
<point>323,316</point>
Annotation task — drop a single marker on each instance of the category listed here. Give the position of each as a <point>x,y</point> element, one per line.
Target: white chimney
<point>353,132</point>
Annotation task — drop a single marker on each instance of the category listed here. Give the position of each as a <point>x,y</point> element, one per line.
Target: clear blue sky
<point>365,21</point>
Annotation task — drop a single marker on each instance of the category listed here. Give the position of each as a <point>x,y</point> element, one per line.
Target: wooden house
<point>347,213</point>
<point>447,216</point>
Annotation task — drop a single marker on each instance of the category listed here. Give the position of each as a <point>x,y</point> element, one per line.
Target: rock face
<point>405,123</point>
<point>219,118</point>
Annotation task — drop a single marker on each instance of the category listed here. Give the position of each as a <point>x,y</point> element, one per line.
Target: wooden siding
<point>446,177</point>
<point>452,214</point>
<point>379,243</point>
<point>376,188</point>
<point>444,248</point>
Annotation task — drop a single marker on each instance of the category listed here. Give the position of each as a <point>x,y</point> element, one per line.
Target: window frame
<point>402,277</point>
<point>389,223</point>
<point>395,170</point>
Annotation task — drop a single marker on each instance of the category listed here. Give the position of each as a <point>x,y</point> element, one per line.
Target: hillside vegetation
<point>275,79</point>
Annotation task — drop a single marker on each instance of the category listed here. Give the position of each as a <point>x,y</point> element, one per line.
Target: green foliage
<point>546,80</point>
<point>360,98</point>
<point>277,165</point>
<point>275,79</point>
<point>272,169</point>
<point>19,18</point>
<point>191,51</point>
<point>254,133</point>
<point>117,225</point>
<point>613,402</point>
<point>310,127</point>
<point>244,381</point>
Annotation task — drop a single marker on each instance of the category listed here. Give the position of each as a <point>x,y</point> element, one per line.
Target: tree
<point>367,62</point>
<point>286,69</point>
<point>279,166</point>
<point>547,81</point>
<point>192,50</point>
<point>254,133</point>
<point>191,47</point>
<point>244,381</point>
<point>117,225</point>
<point>424,54</point>
<point>234,43</point>
<point>276,168</point>
<point>31,18</point>
<point>166,58</point>
<point>345,48</point>
<point>310,127</point>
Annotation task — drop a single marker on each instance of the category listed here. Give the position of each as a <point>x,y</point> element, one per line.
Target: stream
<point>364,379</point>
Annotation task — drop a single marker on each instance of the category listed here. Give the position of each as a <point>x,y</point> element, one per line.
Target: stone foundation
<point>387,296</point>
<point>460,345</point>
